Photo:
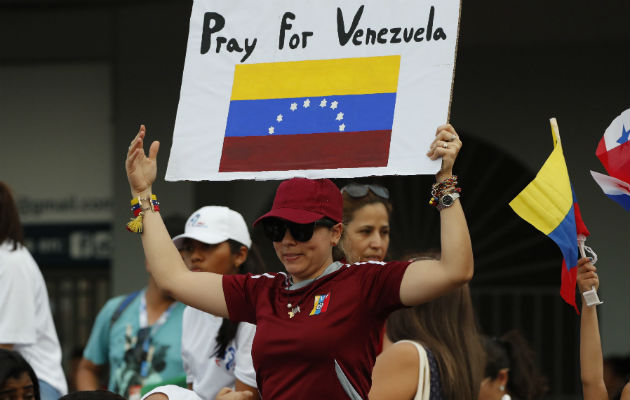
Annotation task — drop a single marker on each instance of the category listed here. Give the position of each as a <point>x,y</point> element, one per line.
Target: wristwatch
<point>447,200</point>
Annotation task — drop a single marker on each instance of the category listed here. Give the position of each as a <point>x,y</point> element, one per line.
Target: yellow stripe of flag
<point>545,202</point>
<point>315,303</point>
<point>316,78</point>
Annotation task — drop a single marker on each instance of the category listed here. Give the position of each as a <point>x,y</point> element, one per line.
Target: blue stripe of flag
<point>565,236</point>
<point>622,199</point>
<point>366,112</point>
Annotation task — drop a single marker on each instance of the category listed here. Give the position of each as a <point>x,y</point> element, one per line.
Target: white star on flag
<point>279,118</point>
<point>322,103</point>
<point>339,116</point>
<point>271,130</point>
<point>342,127</point>
<point>293,106</point>
<point>333,105</point>
<point>307,103</point>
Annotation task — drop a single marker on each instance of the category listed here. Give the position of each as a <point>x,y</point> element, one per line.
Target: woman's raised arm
<point>201,290</point>
<point>427,279</point>
<point>591,359</point>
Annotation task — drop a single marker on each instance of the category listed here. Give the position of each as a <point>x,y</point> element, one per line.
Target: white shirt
<point>25,317</point>
<point>207,373</point>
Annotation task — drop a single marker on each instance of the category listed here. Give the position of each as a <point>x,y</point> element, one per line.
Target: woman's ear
<point>239,257</point>
<point>502,378</point>
<point>336,231</point>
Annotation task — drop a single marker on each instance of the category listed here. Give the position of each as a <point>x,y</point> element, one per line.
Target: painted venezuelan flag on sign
<point>316,114</point>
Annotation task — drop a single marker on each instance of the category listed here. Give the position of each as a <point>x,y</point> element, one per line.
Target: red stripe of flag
<point>325,306</point>
<point>306,151</point>
<point>616,160</point>
<point>567,285</point>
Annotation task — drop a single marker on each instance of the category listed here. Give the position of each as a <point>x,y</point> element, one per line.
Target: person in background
<point>431,351</point>
<point>366,215</point>
<point>137,339</point>
<point>26,323</point>
<point>92,395</point>
<point>511,372</point>
<point>591,360</point>
<point>17,379</point>
<point>216,352</point>
<point>616,374</point>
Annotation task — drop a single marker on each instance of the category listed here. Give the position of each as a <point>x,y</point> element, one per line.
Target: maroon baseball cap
<point>303,201</point>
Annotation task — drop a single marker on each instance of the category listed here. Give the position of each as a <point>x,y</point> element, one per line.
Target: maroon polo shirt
<point>333,338</point>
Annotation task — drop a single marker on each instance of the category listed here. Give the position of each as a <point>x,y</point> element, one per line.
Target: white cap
<point>215,224</point>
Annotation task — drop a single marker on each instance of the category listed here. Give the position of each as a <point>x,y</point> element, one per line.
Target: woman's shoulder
<point>403,353</point>
<point>249,280</point>
<point>396,371</point>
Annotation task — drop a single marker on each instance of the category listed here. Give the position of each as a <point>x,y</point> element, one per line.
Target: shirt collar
<point>335,266</point>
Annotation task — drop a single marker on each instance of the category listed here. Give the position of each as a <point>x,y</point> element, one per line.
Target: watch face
<point>447,200</point>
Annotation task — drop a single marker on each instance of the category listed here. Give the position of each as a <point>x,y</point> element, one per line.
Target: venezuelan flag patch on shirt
<point>320,304</point>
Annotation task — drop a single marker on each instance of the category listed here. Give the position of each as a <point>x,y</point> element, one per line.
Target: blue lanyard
<point>147,347</point>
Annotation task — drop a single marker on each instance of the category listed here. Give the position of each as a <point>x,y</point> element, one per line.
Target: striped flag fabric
<point>616,189</point>
<point>549,204</point>
<point>315,114</point>
<point>613,149</point>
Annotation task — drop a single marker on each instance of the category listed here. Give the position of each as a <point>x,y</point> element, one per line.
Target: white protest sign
<point>277,89</point>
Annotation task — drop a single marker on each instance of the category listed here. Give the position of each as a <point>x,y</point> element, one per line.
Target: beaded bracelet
<point>138,207</point>
<point>449,185</point>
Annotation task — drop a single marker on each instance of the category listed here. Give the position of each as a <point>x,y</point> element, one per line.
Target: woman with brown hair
<point>366,214</point>
<point>436,352</point>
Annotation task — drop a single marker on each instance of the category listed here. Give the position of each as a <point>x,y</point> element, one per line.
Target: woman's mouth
<point>291,257</point>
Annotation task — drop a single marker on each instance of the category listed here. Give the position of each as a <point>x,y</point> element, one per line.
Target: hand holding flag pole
<point>590,296</point>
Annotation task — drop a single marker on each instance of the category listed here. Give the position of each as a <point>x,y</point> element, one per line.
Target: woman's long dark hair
<point>511,351</point>
<point>12,365</point>
<point>446,326</point>
<point>10,226</point>
<point>253,264</point>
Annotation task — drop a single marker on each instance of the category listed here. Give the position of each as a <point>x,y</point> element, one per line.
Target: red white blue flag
<point>613,151</point>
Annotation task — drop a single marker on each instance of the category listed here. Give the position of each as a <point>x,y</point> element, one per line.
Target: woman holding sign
<point>318,324</point>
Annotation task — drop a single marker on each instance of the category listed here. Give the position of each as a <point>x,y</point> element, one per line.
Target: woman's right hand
<point>141,170</point>
<point>586,275</point>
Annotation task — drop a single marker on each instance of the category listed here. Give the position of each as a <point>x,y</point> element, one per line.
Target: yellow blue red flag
<point>313,114</point>
<point>549,204</point>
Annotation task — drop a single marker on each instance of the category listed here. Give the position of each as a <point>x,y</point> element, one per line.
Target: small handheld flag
<point>549,204</point>
<point>613,149</point>
<point>614,153</point>
<point>614,188</point>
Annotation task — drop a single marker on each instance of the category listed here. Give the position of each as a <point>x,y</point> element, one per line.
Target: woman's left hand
<point>586,275</point>
<point>445,145</point>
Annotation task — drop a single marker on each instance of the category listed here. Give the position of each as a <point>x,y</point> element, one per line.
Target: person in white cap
<point>216,352</point>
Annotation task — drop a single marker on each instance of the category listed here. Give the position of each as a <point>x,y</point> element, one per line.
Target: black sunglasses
<point>275,228</point>
<point>359,190</point>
